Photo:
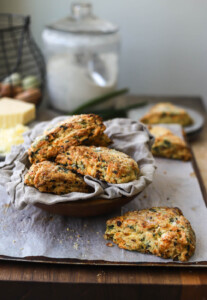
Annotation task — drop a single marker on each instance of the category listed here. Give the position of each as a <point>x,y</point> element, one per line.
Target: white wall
<point>164,42</point>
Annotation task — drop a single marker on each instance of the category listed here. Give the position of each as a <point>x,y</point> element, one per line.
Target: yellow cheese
<point>10,137</point>
<point>13,112</point>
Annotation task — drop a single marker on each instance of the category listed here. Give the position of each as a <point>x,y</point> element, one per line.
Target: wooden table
<point>23,280</point>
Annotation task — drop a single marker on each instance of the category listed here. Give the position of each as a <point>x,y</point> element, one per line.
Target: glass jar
<point>81,58</point>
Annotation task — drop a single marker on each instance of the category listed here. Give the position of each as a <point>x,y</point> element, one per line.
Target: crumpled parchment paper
<point>34,232</point>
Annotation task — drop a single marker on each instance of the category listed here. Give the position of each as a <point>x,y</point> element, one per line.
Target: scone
<point>167,113</point>
<point>168,144</point>
<point>100,162</point>
<point>77,130</point>
<point>161,231</point>
<point>49,177</point>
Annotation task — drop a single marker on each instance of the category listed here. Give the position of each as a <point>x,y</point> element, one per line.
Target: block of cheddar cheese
<point>13,112</point>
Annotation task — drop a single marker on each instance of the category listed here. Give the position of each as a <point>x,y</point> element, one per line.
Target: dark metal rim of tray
<point>66,261</point>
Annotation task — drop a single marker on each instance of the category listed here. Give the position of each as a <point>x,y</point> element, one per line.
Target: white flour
<point>72,79</point>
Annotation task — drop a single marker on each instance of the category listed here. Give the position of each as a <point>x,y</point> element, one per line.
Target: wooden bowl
<point>85,208</point>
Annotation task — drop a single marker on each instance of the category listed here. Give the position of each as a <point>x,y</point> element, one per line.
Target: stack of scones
<point>74,148</point>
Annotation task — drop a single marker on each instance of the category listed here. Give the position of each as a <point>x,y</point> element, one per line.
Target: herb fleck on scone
<point>169,145</point>
<point>77,130</point>
<point>161,231</point>
<point>167,113</point>
<point>49,177</point>
<point>100,162</point>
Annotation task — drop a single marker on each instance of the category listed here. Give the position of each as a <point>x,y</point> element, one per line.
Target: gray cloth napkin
<point>128,136</point>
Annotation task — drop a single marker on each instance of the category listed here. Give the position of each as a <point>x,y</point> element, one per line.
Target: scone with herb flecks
<point>48,177</point>
<point>169,145</point>
<point>100,162</point>
<point>167,113</point>
<point>76,130</point>
<point>162,231</point>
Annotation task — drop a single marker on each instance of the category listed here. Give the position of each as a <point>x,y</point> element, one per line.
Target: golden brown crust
<point>77,130</point>
<point>161,231</point>
<point>167,113</point>
<point>49,177</point>
<point>100,162</point>
<point>100,141</point>
<point>169,145</point>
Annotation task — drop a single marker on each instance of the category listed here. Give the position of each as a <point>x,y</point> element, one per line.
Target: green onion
<point>99,100</point>
<point>110,113</point>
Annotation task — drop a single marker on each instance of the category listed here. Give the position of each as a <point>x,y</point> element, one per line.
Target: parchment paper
<point>33,232</point>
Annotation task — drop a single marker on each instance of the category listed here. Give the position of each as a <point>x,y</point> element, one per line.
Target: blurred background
<point>164,43</point>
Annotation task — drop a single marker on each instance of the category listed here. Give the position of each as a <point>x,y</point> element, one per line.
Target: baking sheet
<point>33,232</point>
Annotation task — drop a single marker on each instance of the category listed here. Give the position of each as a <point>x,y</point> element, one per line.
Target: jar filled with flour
<point>82,58</point>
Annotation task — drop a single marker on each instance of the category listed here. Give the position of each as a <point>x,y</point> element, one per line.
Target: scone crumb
<point>192,174</point>
<point>75,246</point>
<point>109,245</point>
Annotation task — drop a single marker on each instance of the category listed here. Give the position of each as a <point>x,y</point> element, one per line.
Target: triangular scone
<point>74,131</point>
<point>162,231</point>
<point>102,163</point>
<point>168,144</point>
<point>167,113</point>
